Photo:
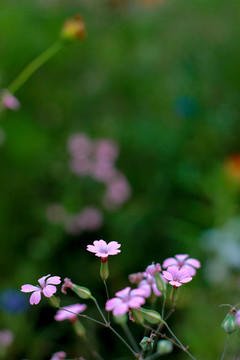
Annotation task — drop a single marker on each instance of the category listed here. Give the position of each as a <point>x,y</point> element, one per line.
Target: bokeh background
<point>155,89</point>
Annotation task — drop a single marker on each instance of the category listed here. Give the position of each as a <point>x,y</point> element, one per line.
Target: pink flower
<point>176,276</point>
<point>6,338</point>
<point>125,300</point>
<point>238,317</point>
<point>46,288</point>
<point>9,101</point>
<point>102,249</point>
<point>66,285</point>
<point>183,260</point>
<point>135,278</point>
<point>70,312</point>
<point>60,355</point>
<point>153,269</point>
<point>148,285</point>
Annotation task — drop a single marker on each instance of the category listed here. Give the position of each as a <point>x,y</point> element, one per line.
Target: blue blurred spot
<point>13,301</point>
<point>185,106</point>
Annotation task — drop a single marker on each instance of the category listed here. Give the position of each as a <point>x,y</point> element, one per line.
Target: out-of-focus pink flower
<point>238,317</point>
<point>90,219</point>
<point>181,261</point>
<point>8,101</point>
<point>46,288</point>
<point>153,269</point>
<point>135,278</point>
<point>67,284</point>
<point>70,312</point>
<point>79,145</point>
<point>125,300</point>
<point>106,150</point>
<point>6,338</point>
<point>148,285</point>
<point>60,355</point>
<point>103,250</point>
<point>118,191</point>
<point>176,276</point>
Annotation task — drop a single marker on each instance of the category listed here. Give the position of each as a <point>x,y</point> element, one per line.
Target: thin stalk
<point>99,309</point>
<point>105,284</point>
<point>34,65</point>
<point>83,316</point>
<point>179,342</point>
<point>121,338</point>
<point>225,348</point>
<point>130,337</point>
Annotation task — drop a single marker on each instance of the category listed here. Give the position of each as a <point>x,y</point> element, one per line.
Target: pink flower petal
<point>100,244</point>
<point>169,262</point>
<point>191,270</point>
<point>49,290</point>
<point>136,302</point>
<point>63,314</point>
<point>123,293</point>
<point>146,288</point>
<point>29,288</point>
<point>167,275</point>
<point>186,279</point>
<point>180,258</point>
<point>54,280</point>
<point>35,297</point>
<point>42,280</point>
<point>120,310</point>
<point>112,303</point>
<point>193,262</point>
<point>92,248</point>
<point>175,283</point>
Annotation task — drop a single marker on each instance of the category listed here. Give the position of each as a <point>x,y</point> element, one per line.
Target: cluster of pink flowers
<point>97,160</point>
<point>89,219</point>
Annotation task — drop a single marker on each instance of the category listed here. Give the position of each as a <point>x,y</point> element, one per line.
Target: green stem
<point>83,316</point>
<point>225,348</point>
<point>130,337</point>
<point>105,284</point>
<point>34,65</point>
<point>99,309</point>
<point>120,337</point>
<point>179,342</point>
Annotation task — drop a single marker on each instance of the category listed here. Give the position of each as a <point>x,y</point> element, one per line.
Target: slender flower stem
<point>225,348</point>
<point>120,337</point>
<point>163,305</point>
<point>179,342</point>
<point>105,284</point>
<point>34,65</point>
<point>130,337</point>
<point>83,316</point>
<point>99,309</point>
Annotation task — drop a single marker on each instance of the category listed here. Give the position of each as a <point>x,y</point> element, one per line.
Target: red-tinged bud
<point>73,29</point>
<point>229,324</point>
<point>137,316</point>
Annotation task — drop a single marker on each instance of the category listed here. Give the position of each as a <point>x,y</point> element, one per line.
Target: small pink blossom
<point>102,249</point>
<point>135,278</point>
<point>148,285</point>
<point>6,338</point>
<point>183,260</point>
<point>238,317</point>
<point>9,101</point>
<point>176,276</point>
<point>125,300</point>
<point>153,269</point>
<point>46,288</point>
<point>60,355</point>
<point>67,284</point>
<point>70,312</point>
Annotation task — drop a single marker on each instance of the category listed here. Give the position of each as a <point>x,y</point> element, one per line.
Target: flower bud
<point>146,343</point>
<point>104,271</point>
<point>160,283</point>
<point>73,29</point>
<point>229,324</point>
<point>137,316</point>
<point>151,316</point>
<point>164,347</point>
<point>54,301</point>
<point>82,292</point>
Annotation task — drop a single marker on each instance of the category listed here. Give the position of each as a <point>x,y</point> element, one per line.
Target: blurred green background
<point>161,79</point>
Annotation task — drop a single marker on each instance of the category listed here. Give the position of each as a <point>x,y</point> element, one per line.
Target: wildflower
<point>60,355</point>
<point>148,285</point>
<point>6,338</point>
<point>70,312</point>
<point>74,29</point>
<point>8,101</point>
<point>135,278</point>
<point>183,260</point>
<point>153,269</point>
<point>176,276</point>
<point>125,300</point>
<point>67,284</point>
<point>46,288</point>
<point>229,324</point>
<point>237,316</point>
<point>102,249</point>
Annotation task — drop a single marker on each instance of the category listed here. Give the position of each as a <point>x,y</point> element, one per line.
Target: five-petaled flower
<point>125,300</point>
<point>46,288</point>
<point>176,276</point>
<point>70,312</point>
<point>183,261</point>
<point>102,249</point>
